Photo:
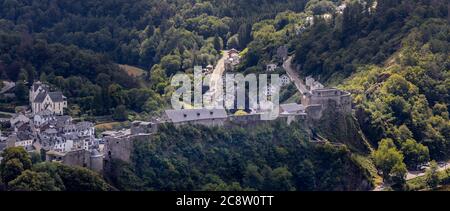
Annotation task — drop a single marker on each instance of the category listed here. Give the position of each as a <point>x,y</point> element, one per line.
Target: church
<point>42,99</point>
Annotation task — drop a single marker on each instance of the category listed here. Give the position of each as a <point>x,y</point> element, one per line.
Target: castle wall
<point>96,163</point>
<point>205,122</point>
<point>121,148</point>
<point>314,111</point>
<point>77,158</point>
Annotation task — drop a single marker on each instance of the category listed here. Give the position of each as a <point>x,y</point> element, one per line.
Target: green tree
<point>415,153</point>
<point>16,153</point>
<point>43,77</point>
<point>11,169</point>
<point>386,157</point>
<point>15,160</point>
<point>35,157</point>
<point>233,42</point>
<point>120,113</point>
<point>398,176</point>
<point>171,63</point>
<point>218,43</point>
<point>281,180</point>
<point>305,178</point>
<point>244,35</point>
<point>33,181</point>
<point>21,92</point>
<point>432,176</point>
<point>81,179</point>
<point>23,75</point>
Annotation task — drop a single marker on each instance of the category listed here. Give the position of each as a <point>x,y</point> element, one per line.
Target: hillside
<point>407,98</point>
<point>365,33</point>
<point>267,157</point>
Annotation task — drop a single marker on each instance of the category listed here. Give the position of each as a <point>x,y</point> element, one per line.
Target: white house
<point>312,84</point>
<point>43,117</point>
<point>20,139</point>
<point>63,145</point>
<point>42,99</point>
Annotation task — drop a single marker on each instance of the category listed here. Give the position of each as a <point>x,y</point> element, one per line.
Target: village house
<point>42,99</point>
<point>21,139</point>
<point>233,60</point>
<point>43,117</point>
<point>48,129</point>
<point>19,121</point>
<point>312,84</point>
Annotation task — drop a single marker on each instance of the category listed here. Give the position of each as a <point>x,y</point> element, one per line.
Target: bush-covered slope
<point>366,33</point>
<point>265,157</point>
<point>407,98</point>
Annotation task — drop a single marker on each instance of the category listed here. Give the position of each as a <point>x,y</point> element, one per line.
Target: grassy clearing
<point>132,71</point>
<point>107,126</point>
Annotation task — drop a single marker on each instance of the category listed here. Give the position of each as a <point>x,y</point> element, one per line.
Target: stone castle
<point>119,144</point>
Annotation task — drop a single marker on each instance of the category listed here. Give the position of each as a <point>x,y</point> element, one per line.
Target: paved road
<point>216,76</point>
<point>218,72</point>
<point>7,86</point>
<point>414,174</point>
<point>287,65</point>
<point>5,119</point>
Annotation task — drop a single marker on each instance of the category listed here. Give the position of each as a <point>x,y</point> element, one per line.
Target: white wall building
<point>42,99</point>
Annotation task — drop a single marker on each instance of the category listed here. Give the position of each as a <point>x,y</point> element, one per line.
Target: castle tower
<point>96,161</point>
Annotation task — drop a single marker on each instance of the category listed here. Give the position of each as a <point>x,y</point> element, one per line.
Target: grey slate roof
<point>45,113</point>
<point>38,84</point>
<point>19,118</point>
<point>84,125</point>
<point>51,131</point>
<point>23,135</point>
<point>40,97</point>
<point>292,107</point>
<point>195,114</point>
<point>56,96</point>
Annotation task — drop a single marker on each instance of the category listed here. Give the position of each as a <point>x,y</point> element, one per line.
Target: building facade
<point>42,99</point>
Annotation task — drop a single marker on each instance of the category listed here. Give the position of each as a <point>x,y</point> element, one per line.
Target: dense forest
<point>272,156</point>
<point>362,35</point>
<point>75,45</point>
<point>406,101</point>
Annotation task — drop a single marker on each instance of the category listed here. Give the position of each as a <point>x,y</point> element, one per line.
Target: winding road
<point>414,174</point>
<point>216,76</point>
<point>218,72</point>
<point>293,75</point>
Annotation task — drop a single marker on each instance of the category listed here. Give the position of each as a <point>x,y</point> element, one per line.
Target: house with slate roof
<point>41,99</point>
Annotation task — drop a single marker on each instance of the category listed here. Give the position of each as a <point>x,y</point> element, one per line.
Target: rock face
<point>338,126</point>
